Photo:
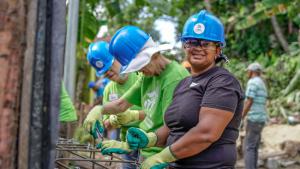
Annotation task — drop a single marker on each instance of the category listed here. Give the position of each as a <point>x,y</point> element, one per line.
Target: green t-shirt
<point>154,94</point>
<point>67,111</point>
<point>114,91</point>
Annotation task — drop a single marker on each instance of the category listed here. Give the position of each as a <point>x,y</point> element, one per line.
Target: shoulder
<point>133,75</point>
<point>253,82</point>
<point>184,81</point>
<point>222,75</point>
<point>175,73</point>
<point>132,79</point>
<point>110,86</point>
<point>176,68</point>
<point>222,78</point>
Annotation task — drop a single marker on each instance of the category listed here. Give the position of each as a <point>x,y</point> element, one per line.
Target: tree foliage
<point>251,34</point>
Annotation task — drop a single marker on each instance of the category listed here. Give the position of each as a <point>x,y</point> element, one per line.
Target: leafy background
<point>266,31</point>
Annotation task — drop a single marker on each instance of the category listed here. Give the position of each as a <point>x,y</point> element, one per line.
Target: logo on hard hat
<point>99,64</point>
<point>199,28</point>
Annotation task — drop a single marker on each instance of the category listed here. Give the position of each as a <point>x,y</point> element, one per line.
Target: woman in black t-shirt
<point>201,123</point>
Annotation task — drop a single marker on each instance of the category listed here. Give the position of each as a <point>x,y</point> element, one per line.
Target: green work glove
<point>159,160</point>
<point>97,130</point>
<point>137,138</point>
<point>112,146</point>
<point>93,116</point>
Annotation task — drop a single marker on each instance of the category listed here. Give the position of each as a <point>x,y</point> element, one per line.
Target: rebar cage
<point>72,154</point>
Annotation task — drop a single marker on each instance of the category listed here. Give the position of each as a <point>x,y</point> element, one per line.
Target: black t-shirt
<point>215,88</point>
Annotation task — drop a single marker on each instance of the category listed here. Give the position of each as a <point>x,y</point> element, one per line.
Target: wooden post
<point>12,36</point>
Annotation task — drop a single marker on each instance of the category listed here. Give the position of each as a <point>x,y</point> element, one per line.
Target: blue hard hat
<point>99,57</point>
<point>126,43</point>
<point>204,25</point>
<point>91,84</point>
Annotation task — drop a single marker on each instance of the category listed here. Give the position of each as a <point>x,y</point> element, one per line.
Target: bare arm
<point>116,106</point>
<point>209,129</point>
<point>162,135</point>
<point>247,105</point>
<point>98,101</point>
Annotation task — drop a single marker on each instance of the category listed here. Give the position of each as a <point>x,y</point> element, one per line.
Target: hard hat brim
<point>100,72</point>
<point>140,61</point>
<point>144,57</point>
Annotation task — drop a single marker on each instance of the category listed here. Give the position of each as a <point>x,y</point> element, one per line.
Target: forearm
<point>247,106</point>
<point>211,125</point>
<point>162,136</point>
<point>98,101</point>
<point>191,144</point>
<point>116,107</point>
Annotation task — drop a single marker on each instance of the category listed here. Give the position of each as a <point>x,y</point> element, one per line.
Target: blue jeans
<point>114,134</point>
<point>251,143</point>
<point>133,156</point>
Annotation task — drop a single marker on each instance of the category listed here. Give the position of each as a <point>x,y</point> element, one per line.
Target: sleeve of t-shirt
<point>222,93</point>
<point>251,90</point>
<point>133,95</point>
<point>67,109</point>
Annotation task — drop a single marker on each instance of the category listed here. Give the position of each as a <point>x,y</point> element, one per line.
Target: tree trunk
<point>295,82</point>
<point>207,5</point>
<point>299,37</point>
<point>12,36</point>
<point>290,26</point>
<point>279,34</point>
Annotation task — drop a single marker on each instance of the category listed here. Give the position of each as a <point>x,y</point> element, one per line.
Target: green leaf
<point>262,12</point>
<point>113,7</point>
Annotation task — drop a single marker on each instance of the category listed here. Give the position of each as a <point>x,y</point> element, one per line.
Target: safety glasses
<point>189,43</point>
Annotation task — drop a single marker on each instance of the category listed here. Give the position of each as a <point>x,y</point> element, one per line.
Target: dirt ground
<point>274,135</point>
<point>272,138</point>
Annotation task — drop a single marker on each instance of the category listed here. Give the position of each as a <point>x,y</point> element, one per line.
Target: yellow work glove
<point>112,146</point>
<point>93,116</point>
<point>113,120</point>
<point>159,160</point>
<point>124,118</point>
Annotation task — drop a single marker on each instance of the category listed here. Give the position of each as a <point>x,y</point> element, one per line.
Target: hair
<point>258,72</point>
<point>155,56</point>
<point>222,57</point>
<point>160,61</point>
